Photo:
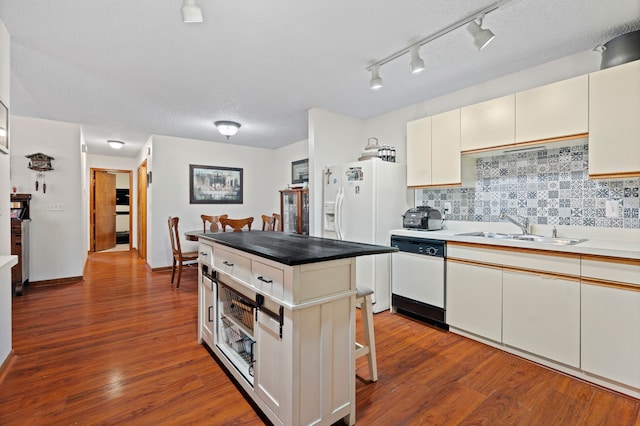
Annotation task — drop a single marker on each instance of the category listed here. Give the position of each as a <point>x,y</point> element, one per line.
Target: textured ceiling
<point>125,69</point>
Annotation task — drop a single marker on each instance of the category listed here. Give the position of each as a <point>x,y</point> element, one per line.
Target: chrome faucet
<point>523,226</point>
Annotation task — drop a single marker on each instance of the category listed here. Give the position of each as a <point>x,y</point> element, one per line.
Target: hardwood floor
<point>121,348</point>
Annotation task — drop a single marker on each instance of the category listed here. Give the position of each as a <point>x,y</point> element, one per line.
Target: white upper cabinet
<point>419,152</point>
<point>614,124</point>
<point>433,150</point>
<point>553,111</point>
<point>445,148</point>
<point>488,124</point>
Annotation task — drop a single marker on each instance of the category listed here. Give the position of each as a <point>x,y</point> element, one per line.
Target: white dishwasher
<point>418,279</point>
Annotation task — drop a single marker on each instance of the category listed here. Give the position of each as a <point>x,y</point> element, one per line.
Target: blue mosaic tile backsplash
<point>549,187</point>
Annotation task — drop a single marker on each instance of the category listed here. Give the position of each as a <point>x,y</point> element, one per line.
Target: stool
<point>363,298</point>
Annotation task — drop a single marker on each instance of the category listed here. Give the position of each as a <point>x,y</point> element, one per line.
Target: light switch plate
<point>447,207</point>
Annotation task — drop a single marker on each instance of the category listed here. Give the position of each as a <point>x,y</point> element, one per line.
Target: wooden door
<point>142,210</point>
<point>104,210</point>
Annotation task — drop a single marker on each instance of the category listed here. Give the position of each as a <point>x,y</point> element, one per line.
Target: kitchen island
<point>277,310</point>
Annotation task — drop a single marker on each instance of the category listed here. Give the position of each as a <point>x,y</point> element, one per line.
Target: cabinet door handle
<point>210,313</point>
<point>227,263</point>
<point>265,280</point>
<point>204,253</point>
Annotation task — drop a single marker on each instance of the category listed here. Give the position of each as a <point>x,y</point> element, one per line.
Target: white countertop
<point>8,261</point>
<point>626,246</point>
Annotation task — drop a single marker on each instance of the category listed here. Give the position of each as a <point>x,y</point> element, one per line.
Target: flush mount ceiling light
<point>227,128</point>
<point>417,64</point>
<point>191,13</point>
<point>481,36</point>
<point>115,144</point>
<point>376,82</point>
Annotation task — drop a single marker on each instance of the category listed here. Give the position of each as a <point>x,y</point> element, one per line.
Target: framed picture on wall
<point>215,185</point>
<point>300,171</point>
<point>4,128</point>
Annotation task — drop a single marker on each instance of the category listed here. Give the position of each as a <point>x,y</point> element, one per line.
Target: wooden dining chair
<point>277,222</point>
<point>268,223</point>
<point>179,258</point>
<point>236,224</point>
<point>213,222</point>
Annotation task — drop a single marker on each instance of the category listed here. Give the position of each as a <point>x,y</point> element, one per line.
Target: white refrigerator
<point>362,202</point>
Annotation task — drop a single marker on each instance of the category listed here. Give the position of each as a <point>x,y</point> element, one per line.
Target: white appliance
<point>362,202</point>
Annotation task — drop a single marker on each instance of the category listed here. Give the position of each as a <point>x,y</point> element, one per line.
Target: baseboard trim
<point>168,268</point>
<point>6,365</point>
<point>57,281</point>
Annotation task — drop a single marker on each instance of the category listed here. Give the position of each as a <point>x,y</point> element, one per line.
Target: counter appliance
<point>423,217</point>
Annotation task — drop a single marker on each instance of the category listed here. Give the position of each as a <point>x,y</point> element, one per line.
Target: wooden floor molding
<point>121,347</point>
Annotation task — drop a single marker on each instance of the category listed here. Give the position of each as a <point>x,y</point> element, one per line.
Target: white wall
<point>117,163</point>
<point>169,190</point>
<point>282,159</point>
<point>5,225</point>
<point>57,246</point>
<point>333,139</point>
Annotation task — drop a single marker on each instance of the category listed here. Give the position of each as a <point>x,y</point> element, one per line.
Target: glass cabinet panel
<point>294,206</point>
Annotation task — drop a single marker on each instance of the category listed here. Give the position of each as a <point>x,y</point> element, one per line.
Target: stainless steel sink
<point>522,237</point>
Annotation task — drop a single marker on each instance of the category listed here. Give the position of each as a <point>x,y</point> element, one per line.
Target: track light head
<point>417,64</point>
<point>481,37</point>
<point>191,13</point>
<point>376,82</point>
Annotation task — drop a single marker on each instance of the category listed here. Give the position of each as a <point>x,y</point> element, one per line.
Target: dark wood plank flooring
<point>121,348</point>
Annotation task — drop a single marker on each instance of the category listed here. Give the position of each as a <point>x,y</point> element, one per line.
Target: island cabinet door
<point>272,368</point>
<point>207,317</point>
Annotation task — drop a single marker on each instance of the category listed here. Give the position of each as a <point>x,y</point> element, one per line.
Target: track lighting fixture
<point>376,82</point>
<point>115,144</point>
<point>481,37</point>
<point>227,128</point>
<point>417,64</point>
<point>191,13</point>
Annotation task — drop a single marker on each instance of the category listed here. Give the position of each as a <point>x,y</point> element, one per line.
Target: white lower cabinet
<point>541,315</point>
<point>611,333</point>
<point>269,381</point>
<point>577,313</point>
<point>206,316</point>
<point>474,299</point>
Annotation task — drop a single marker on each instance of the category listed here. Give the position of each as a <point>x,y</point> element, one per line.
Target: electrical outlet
<point>447,207</point>
<point>612,208</point>
<point>56,206</point>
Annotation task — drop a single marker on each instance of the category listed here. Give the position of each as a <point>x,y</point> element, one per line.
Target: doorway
<point>110,218</point>
<point>143,184</point>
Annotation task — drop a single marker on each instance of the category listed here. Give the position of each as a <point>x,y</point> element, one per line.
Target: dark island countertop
<point>293,249</point>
